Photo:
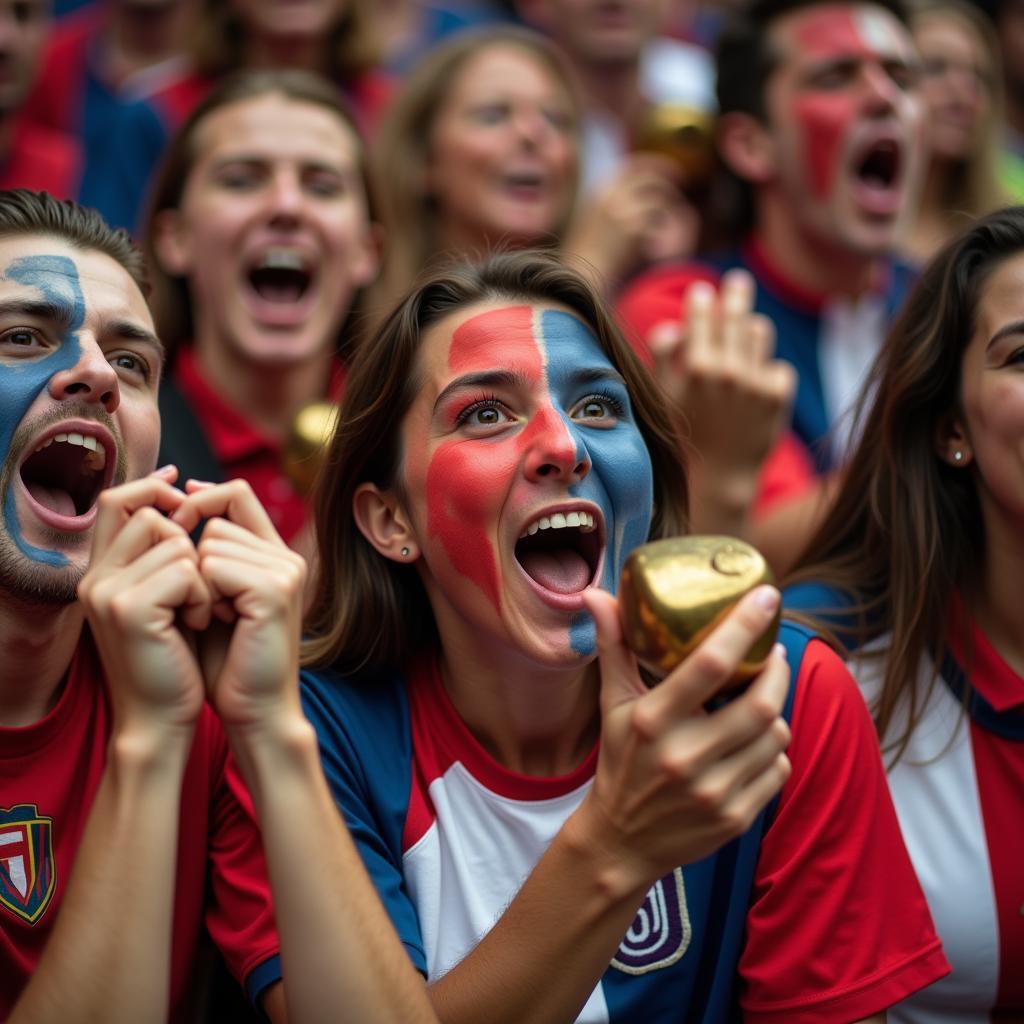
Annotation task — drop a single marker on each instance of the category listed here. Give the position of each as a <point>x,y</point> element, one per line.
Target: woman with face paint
<point>553,840</point>
<point>961,86</point>
<point>922,559</point>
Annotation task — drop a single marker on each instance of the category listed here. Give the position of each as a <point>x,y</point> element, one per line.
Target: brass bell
<point>306,445</point>
<point>683,133</point>
<point>674,592</point>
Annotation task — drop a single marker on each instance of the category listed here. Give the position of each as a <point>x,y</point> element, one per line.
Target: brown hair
<point>401,151</point>
<point>171,302</point>
<point>906,529</point>
<point>972,187</point>
<point>352,44</point>
<point>24,212</point>
<point>366,609</point>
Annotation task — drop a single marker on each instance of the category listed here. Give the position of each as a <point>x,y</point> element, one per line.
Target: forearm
<point>116,968</point>
<point>720,500</point>
<point>341,958</point>
<point>547,952</point>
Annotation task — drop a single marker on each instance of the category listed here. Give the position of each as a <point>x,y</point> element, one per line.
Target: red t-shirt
<point>42,159</point>
<point>49,774</point>
<point>788,472</point>
<point>243,450</point>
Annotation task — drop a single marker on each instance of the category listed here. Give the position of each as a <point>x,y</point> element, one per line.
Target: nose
<point>880,89</point>
<point>553,452</point>
<point>91,379</point>
<point>530,126</point>
<point>286,196</point>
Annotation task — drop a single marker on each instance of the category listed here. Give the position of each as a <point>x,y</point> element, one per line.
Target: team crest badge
<point>660,932</point>
<point>27,876</point>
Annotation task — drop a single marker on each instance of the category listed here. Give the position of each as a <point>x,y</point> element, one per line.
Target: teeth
<point>580,520</point>
<point>281,259</point>
<point>95,460</point>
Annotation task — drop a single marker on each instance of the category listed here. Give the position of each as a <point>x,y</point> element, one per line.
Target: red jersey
<point>49,774</point>
<point>42,159</point>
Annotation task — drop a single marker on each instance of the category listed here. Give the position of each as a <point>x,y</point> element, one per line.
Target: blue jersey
<point>448,836</point>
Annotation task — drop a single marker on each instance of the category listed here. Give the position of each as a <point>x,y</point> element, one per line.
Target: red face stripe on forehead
<point>832,32</point>
<point>497,339</point>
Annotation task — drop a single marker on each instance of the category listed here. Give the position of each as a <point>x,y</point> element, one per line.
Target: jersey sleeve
<point>240,914</point>
<point>365,750</point>
<point>838,927</point>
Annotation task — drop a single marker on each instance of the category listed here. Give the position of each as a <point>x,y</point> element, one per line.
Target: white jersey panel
<point>471,862</point>
<point>934,787</point>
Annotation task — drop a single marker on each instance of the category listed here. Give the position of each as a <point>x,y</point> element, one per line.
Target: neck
<point>271,395</point>
<point>614,88</point>
<point>304,53</point>
<point>136,40</point>
<point>931,226</point>
<point>532,721</point>
<point>998,607</point>
<point>808,262</point>
<point>36,646</point>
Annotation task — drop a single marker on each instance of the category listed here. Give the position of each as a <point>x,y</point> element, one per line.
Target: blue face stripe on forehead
<point>56,277</point>
<point>621,478</point>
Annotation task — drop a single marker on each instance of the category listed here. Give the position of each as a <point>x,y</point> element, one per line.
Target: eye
<point>22,338</point>
<point>240,178</point>
<point>490,113</point>
<point>599,410</point>
<point>559,119</point>
<point>130,363</point>
<point>326,186</point>
<point>487,412</point>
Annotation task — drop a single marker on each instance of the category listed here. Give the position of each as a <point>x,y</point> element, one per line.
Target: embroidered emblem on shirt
<point>660,932</point>
<point>27,876</point>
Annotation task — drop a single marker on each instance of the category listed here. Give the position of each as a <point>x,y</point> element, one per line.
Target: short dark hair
<point>745,59</point>
<point>24,212</point>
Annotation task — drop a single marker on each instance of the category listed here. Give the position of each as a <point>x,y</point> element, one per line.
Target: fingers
<point>620,679</point>
<point>234,501</point>
<point>118,504</point>
<point>713,664</point>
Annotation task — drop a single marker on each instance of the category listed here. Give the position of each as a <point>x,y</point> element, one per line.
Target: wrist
<point>270,751</point>
<point>619,877</point>
<point>140,747</point>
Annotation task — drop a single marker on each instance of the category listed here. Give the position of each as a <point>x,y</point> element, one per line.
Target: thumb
<point>620,677</point>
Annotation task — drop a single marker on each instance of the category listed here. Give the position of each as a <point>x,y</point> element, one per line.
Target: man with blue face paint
<point>124,825</point>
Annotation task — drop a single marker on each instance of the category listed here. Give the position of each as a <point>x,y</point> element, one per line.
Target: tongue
<point>56,499</point>
<point>564,571</point>
<point>279,291</point>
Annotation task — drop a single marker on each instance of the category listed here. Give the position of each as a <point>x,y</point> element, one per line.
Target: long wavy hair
<point>171,301</point>
<point>906,530</point>
<point>352,45</point>
<point>402,150</point>
<point>368,611</point>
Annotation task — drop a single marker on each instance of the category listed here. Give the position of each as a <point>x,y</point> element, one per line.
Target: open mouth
<point>65,475</point>
<point>880,166</point>
<point>561,552</point>
<point>281,276</point>
<point>530,184</point>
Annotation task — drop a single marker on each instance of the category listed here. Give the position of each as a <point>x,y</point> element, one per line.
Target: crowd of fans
<point>571,275</point>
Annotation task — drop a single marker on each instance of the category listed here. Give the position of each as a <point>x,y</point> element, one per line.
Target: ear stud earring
<point>958,456</point>
<point>405,552</point>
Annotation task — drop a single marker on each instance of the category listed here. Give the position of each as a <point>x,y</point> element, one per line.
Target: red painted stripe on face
<point>824,121</point>
<point>469,480</point>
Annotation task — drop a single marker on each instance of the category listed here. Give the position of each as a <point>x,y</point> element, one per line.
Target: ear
<point>170,243</point>
<point>952,444</point>
<point>383,522</point>
<point>747,147</point>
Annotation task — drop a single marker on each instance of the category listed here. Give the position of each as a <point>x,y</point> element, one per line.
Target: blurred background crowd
<point>291,166</point>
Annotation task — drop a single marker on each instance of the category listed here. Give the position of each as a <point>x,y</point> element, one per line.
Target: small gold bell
<point>307,441</point>
<point>674,592</point>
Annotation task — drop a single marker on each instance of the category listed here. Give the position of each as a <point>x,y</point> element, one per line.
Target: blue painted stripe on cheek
<point>56,277</point>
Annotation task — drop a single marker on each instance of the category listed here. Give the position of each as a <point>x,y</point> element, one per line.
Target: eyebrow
<point>64,317</point>
<point>1017,327</point>
<point>598,375</point>
<point>487,378</point>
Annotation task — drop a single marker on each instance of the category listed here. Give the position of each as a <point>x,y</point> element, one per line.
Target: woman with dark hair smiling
<point>918,566</point>
<point>552,839</point>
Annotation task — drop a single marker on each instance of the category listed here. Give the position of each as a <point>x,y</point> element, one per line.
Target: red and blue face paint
<point>534,379</point>
<point>56,279</point>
